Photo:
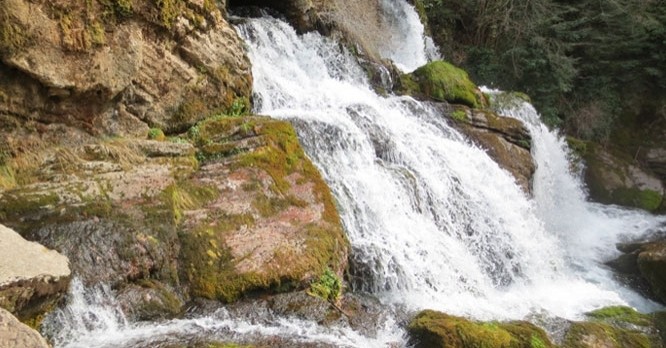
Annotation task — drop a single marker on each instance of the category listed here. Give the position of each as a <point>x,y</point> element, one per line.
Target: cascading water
<point>433,221</point>
<point>404,41</point>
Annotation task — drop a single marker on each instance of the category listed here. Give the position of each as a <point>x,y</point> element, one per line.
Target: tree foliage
<point>585,63</point>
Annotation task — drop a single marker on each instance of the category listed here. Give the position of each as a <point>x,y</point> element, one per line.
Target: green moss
<point>644,199</point>
<point>435,329</point>
<point>156,134</point>
<point>459,115</point>
<point>169,10</point>
<point>97,34</point>
<point>584,335</point>
<point>620,314</point>
<point>22,204</point>
<point>186,196</point>
<point>441,81</point>
<point>327,287</point>
<point>269,206</point>
<point>579,147</point>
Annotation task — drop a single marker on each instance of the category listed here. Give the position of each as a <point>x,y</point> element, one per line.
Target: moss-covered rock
<point>274,226</point>
<point>435,329</point>
<point>614,327</point>
<point>441,81</point>
<point>613,178</point>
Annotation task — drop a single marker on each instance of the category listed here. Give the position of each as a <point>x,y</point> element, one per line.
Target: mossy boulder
<point>613,177</point>
<point>272,227</point>
<point>442,81</point>
<point>435,329</point>
<point>615,327</point>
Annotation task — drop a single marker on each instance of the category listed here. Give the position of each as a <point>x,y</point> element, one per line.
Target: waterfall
<point>404,40</point>
<point>433,221</point>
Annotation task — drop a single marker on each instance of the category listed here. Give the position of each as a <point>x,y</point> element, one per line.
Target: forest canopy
<point>585,63</point>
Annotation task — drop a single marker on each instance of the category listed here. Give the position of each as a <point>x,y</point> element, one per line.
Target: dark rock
<point>643,267</point>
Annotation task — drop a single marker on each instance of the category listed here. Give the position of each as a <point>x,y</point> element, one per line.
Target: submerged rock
<point>32,278</point>
<point>14,334</point>
<point>435,329</point>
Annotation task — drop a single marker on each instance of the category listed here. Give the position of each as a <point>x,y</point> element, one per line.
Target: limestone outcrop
<point>118,68</point>
<point>229,207</point>
<point>15,334</point>
<point>32,277</point>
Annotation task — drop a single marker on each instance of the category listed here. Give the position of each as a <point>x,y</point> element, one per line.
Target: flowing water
<point>433,221</point>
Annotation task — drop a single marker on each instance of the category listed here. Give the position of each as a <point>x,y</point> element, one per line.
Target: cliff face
<point>225,205</point>
<point>118,67</point>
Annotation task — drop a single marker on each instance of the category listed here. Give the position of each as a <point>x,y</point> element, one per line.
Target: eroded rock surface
<point>32,277</point>
<point>14,334</point>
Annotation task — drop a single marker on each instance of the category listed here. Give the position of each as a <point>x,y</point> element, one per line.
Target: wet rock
<point>269,221</point>
<point>32,278</point>
<point>14,334</point>
<point>614,178</point>
<point>435,329</point>
<point>643,266</point>
<point>441,81</point>
<point>615,327</point>
<point>506,140</point>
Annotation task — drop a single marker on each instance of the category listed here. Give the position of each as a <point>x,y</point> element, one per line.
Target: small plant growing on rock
<point>239,107</point>
<point>156,134</point>
<point>459,115</point>
<point>327,287</point>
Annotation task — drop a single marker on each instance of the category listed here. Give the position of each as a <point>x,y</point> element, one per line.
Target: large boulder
<point>435,329</point>
<point>14,334</point>
<point>615,327</point>
<point>32,278</point>
<point>441,81</point>
<point>643,266</point>
<point>232,206</point>
<point>271,223</point>
<point>613,177</point>
<point>506,140</point>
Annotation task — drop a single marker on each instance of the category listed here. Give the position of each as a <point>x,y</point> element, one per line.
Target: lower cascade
<point>434,223</point>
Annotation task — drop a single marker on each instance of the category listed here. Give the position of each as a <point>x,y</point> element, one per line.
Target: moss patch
<point>620,314</point>
<point>585,335</point>
<point>435,329</point>
<point>441,81</point>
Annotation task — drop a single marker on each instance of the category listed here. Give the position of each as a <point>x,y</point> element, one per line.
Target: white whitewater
<point>433,221</point>
<point>404,41</point>
<point>92,318</point>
